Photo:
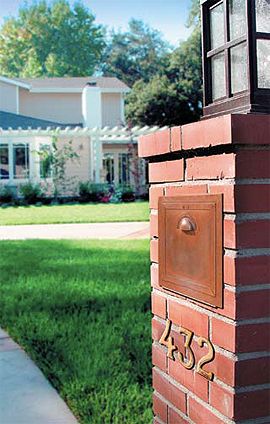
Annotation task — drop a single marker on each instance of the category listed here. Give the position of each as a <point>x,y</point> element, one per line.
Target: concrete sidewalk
<point>107,230</point>
<point>26,397</point>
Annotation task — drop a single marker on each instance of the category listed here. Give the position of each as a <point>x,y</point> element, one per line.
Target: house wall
<point>65,108</point>
<point>8,97</point>
<point>76,171</point>
<point>79,169</point>
<point>111,109</point>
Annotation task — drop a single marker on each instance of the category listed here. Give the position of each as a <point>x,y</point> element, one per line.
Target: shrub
<point>32,193</point>
<point>7,195</point>
<point>116,195</point>
<point>94,192</point>
<point>128,194</point>
<point>84,192</point>
<point>102,192</point>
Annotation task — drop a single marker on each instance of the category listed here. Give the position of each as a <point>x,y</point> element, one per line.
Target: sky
<point>167,16</point>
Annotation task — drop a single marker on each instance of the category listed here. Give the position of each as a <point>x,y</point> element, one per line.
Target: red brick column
<point>228,155</point>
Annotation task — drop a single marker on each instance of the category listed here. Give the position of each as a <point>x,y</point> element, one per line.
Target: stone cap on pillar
<point>224,130</point>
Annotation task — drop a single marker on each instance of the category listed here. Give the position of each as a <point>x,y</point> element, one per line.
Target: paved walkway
<point>26,397</point>
<point>112,230</point>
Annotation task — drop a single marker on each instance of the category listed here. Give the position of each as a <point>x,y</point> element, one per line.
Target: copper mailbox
<point>190,246</point>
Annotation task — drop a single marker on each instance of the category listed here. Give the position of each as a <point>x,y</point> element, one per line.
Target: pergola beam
<point>105,133</point>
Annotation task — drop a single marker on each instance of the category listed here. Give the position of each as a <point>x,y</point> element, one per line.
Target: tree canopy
<point>174,96</point>
<point>157,103</point>
<point>137,54</point>
<point>56,40</point>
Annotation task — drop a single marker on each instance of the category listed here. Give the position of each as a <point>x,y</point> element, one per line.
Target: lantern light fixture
<point>236,56</point>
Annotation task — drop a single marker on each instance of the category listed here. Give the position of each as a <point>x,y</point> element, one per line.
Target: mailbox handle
<point>186,224</point>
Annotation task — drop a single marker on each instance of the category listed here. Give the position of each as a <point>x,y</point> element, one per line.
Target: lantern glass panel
<point>239,78</point>
<point>263,15</point>
<point>263,58</point>
<point>237,18</point>
<point>218,76</point>
<point>217,26</point>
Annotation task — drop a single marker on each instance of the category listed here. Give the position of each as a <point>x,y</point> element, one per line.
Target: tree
<point>57,40</point>
<point>175,97</point>
<point>194,17</point>
<point>157,103</point>
<point>138,54</point>
<point>185,72</point>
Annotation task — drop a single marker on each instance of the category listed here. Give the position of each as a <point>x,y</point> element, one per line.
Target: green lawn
<point>134,211</point>
<point>82,312</point>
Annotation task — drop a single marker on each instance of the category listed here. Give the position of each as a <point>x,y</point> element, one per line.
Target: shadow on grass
<point>82,311</point>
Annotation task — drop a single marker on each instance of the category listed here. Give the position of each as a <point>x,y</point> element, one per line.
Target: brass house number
<point>189,361</point>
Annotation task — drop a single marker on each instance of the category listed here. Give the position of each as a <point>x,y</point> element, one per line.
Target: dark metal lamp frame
<point>252,100</point>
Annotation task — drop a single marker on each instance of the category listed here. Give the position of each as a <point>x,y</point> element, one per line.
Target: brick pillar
<point>227,155</point>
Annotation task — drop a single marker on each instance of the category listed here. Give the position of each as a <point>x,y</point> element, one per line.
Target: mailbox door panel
<point>190,246</point>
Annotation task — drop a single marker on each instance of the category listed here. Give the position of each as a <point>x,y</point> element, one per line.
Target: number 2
<point>205,359</point>
<point>167,340</point>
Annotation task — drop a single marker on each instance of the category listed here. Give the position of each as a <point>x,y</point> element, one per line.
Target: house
<point>60,99</point>
<point>87,111</point>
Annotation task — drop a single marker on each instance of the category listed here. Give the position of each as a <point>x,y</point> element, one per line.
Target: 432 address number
<point>189,361</point>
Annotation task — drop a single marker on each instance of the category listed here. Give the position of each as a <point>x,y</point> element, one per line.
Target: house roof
<point>11,120</point>
<point>75,84</point>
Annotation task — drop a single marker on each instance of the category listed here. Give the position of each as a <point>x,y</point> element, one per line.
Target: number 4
<point>167,340</point>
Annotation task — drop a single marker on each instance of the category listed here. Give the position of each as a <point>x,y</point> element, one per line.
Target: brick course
<point>166,171</point>
<point>211,167</point>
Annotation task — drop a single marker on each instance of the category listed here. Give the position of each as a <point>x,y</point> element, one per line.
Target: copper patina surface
<point>190,246</point>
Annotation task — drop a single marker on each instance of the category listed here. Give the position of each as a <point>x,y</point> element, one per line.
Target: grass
<point>82,311</point>
<point>23,215</point>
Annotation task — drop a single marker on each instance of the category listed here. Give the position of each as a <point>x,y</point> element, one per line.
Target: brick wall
<point>228,155</point>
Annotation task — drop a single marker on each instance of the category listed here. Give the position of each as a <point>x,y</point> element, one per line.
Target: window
<point>227,49</point>
<point>263,16</point>
<point>116,168</point>
<point>238,57</point>
<point>216,29</point>
<point>124,168</point>
<point>218,76</point>
<point>263,51</point>
<point>237,18</point>
<point>21,161</point>
<point>108,166</point>
<point>4,162</point>
<point>263,42</point>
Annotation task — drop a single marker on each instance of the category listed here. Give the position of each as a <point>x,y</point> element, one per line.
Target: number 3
<point>190,364</point>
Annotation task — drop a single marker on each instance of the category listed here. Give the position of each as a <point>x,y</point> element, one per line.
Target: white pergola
<point>98,137</point>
